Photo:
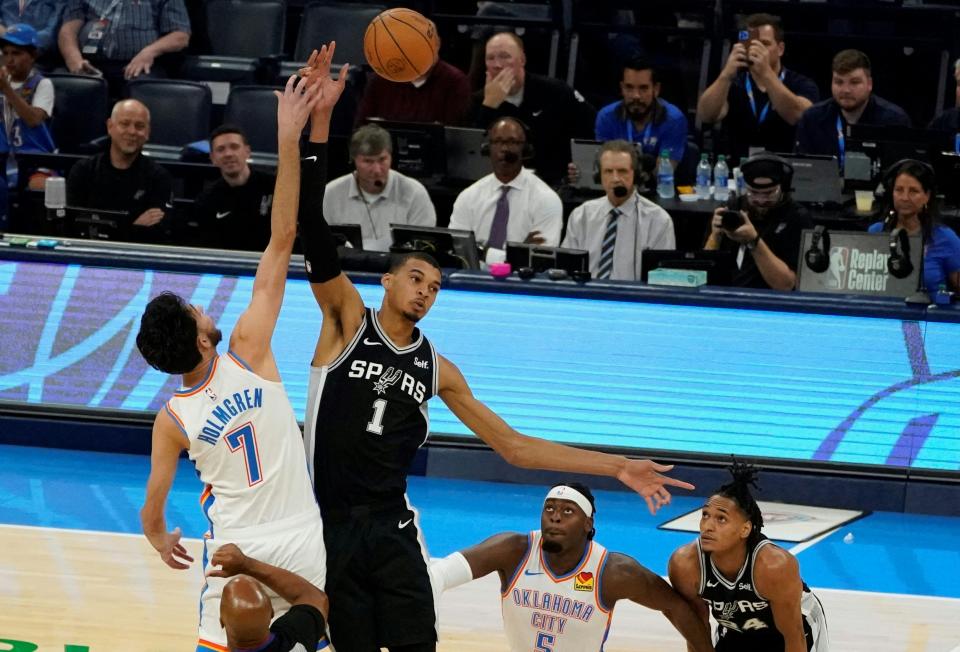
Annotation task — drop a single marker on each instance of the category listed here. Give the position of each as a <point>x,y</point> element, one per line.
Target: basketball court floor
<point>76,575</point>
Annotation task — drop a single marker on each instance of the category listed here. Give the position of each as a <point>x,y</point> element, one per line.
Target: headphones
<point>786,169</point>
<point>527,153</point>
<point>894,170</point>
<point>817,256</point>
<point>899,264</point>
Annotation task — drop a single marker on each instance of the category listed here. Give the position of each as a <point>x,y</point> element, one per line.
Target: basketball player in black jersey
<point>750,585</point>
<point>372,374</point>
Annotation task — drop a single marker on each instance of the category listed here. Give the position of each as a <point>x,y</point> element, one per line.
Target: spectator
<point>441,95</point>
<point>949,120</point>
<point>122,40</point>
<point>122,179</point>
<point>767,244</point>
<point>617,227</point>
<point>234,212</point>
<point>511,204</point>
<point>911,205</point>
<point>373,195</point>
<point>758,99</point>
<point>553,111</point>
<point>823,128</point>
<point>642,117</point>
<point>41,15</point>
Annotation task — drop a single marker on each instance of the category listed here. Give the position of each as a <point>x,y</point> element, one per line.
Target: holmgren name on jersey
<point>226,409</point>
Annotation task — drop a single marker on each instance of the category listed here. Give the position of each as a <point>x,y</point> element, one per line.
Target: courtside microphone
<point>378,183</point>
<point>510,157</point>
<point>890,221</point>
<point>620,191</point>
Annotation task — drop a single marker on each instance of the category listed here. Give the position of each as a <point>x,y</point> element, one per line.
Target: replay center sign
<point>858,265</point>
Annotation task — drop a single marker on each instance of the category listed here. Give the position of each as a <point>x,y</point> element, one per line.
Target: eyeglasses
<point>770,193</point>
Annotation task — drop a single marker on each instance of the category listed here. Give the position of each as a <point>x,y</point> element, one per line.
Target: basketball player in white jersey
<point>558,586</point>
<point>233,416</point>
<point>372,374</point>
<point>751,586</point>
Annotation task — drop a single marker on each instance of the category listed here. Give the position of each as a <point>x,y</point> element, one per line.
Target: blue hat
<point>21,34</point>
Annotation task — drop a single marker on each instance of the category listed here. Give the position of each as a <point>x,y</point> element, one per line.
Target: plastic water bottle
<point>665,187</point>
<point>721,177</point>
<point>703,178</point>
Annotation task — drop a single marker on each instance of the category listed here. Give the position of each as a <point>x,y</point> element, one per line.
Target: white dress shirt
<point>402,201</point>
<point>534,206</point>
<point>641,225</point>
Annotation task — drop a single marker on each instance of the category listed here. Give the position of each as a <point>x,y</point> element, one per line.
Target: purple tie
<point>498,229</point>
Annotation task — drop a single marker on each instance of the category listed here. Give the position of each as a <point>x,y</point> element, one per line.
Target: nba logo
<point>839,256</point>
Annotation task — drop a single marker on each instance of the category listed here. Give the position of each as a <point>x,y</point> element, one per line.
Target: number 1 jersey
<point>367,416</point>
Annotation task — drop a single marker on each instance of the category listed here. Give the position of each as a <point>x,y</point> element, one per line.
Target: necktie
<point>609,242</point>
<point>498,229</point>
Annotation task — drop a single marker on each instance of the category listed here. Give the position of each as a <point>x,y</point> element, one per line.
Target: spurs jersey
<point>367,416</point>
<point>744,617</point>
<point>246,445</point>
<point>544,611</point>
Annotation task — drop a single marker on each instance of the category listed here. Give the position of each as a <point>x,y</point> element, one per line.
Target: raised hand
<point>497,88</point>
<point>317,71</point>
<point>294,106</point>
<point>644,477</point>
<point>736,62</point>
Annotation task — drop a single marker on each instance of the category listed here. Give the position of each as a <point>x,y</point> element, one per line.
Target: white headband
<point>563,492</point>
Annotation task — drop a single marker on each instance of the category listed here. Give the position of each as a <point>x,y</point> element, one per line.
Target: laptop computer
<point>95,223</point>
<point>816,179</point>
<point>584,156</point>
<point>456,248</point>
<point>464,160</point>
<point>348,234</point>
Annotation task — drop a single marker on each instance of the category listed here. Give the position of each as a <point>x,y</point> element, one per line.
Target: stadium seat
<point>343,22</point>
<point>179,110</point>
<point>254,109</point>
<point>80,111</point>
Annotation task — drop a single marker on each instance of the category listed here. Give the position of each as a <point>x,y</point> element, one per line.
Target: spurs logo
<point>389,377</point>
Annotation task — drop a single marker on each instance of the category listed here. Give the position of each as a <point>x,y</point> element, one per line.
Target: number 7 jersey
<point>367,416</point>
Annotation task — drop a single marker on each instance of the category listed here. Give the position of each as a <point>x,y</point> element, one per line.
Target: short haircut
<point>756,21</point>
<point>399,260</point>
<point>640,64</point>
<point>168,335</point>
<point>512,36</point>
<point>224,129</point>
<point>738,490</point>
<point>370,140</point>
<point>620,146</point>
<point>516,121</point>
<point>846,61</point>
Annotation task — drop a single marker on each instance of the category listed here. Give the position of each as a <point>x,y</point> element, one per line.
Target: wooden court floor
<point>66,590</point>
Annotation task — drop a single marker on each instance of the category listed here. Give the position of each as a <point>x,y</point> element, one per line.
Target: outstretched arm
<point>625,578</point>
<point>501,552</point>
<point>254,330</point>
<point>168,441</point>
<point>643,476</point>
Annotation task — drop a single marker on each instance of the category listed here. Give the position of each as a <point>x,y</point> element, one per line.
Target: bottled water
<point>703,178</point>
<point>721,177</point>
<point>665,187</point>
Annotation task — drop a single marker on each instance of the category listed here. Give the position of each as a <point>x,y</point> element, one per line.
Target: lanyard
<point>106,12</point>
<point>841,141</point>
<point>753,103</point>
<point>647,132</point>
<point>23,5</point>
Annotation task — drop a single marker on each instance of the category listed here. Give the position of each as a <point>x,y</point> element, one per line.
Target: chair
<point>344,23</point>
<point>179,110</point>
<point>80,111</point>
<point>254,109</point>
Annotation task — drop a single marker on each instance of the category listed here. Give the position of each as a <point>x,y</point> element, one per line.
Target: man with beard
<point>617,227</point>
<point>642,117</point>
<point>558,586</point>
<point>823,128</point>
<point>767,241</point>
<point>511,204</point>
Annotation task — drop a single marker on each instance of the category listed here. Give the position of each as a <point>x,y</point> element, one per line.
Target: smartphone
<point>731,220</point>
<point>743,36</point>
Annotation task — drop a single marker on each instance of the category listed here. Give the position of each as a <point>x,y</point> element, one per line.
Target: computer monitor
<point>887,145</point>
<point>95,224</point>
<point>465,162</point>
<point>719,265</point>
<point>816,179</point>
<point>351,234</point>
<point>419,148</point>
<point>454,248</point>
<point>542,258</point>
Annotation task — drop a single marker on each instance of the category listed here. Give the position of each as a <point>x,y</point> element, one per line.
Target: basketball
<point>401,44</point>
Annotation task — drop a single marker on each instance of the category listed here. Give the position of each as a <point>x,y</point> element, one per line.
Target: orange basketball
<point>401,45</point>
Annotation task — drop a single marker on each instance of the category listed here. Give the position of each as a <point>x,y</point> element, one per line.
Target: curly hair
<point>168,335</point>
<point>738,490</point>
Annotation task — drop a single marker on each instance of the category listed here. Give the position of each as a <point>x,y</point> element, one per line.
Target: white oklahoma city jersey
<point>246,445</point>
<point>556,613</point>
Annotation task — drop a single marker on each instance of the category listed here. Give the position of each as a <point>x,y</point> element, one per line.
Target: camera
<point>731,220</point>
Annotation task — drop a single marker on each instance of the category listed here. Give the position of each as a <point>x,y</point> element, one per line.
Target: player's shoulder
<point>772,559</point>
<point>685,559</point>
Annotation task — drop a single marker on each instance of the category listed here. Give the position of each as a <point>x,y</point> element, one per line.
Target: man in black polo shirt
<point>123,179</point>
<point>823,128</point>
<point>758,99</point>
<point>767,243</point>
<point>234,212</point>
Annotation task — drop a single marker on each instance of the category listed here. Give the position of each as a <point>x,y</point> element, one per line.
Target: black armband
<point>319,246</point>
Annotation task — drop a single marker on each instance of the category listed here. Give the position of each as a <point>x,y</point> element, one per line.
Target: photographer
<point>765,232</point>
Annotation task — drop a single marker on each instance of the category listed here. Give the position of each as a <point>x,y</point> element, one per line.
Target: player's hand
<point>497,88</point>
<point>736,62</point>
<point>534,237</point>
<point>294,106</point>
<point>140,64</point>
<point>172,551</point>
<point>644,477</point>
<point>149,217</point>
<point>317,71</point>
<point>230,559</point>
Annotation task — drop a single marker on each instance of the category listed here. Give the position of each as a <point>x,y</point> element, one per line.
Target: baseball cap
<point>21,34</point>
<point>765,170</point>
